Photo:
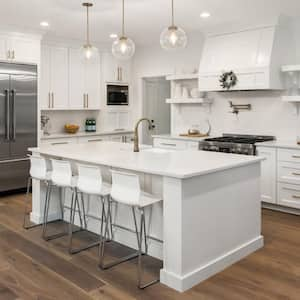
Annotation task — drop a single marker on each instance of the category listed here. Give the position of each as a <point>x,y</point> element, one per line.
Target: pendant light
<point>88,51</point>
<point>173,37</point>
<point>123,48</point>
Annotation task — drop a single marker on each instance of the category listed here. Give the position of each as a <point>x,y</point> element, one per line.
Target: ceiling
<point>144,18</point>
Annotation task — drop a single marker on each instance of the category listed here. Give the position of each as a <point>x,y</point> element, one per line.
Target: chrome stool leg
<point>75,202</point>
<point>46,215</point>
<point>102,247</point>
<point>142,236</point>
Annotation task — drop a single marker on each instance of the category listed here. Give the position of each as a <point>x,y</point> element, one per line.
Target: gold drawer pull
<point>296,156</point>
<point>296,174</point>
<point>296,197</point>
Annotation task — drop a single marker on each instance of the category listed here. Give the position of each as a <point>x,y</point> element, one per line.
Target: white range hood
<point>254,55</point>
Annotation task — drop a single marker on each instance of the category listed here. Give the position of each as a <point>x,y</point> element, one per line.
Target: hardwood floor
<point>31,268</point>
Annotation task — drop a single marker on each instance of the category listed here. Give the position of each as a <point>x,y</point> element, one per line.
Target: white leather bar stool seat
<point>126,190</point>
<point>39,170</point>
<point>89,182</point>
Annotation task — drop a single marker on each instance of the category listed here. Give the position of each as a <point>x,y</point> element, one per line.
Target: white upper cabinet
<point>25,50</point>
<point>114,70</point>
<point>54,78</point>
<point>3,49</point>
<point>76,80</point>
<point>84,82</point>
<point>20,49</point>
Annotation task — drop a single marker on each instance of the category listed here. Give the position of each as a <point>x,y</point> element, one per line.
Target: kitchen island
<point>210,216</point>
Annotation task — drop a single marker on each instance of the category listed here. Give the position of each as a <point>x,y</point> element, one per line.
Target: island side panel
<point>210,222</point>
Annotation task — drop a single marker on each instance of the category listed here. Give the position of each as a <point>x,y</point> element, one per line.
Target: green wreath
<point>228,80</point>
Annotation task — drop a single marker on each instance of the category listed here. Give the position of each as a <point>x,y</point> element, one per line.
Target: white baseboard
<point>183,283</point>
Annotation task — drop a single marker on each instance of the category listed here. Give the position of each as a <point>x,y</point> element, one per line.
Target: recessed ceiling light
<point>205,14</point>
<point>113,35</point>
<point>44,24</point>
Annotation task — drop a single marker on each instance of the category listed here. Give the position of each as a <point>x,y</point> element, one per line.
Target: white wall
<point>269,114</point>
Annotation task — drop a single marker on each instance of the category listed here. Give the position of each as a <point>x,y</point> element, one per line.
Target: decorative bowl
<point>71,128</point>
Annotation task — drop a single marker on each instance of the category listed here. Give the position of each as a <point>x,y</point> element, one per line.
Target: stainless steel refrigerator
<point>18,123</point>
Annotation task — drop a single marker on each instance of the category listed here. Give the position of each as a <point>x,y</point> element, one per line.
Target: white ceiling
<point>144,18</point>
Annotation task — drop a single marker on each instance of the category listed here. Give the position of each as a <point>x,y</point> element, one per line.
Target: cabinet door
<point>109,68</point>
<point>59,78</point>
<point>268,174</point>
<point>45,102</point>
<point>76,80</point>
<point>93,83</point>
<point>25,50</point>
<point>3,48</point>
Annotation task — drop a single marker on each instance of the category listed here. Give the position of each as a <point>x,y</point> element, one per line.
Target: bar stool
<point>89,182</point>
<point>38,171</point>
<point>126,190</point>
<point>61,177</point>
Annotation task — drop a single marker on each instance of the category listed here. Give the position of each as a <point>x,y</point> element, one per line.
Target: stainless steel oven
<point>117,94</point>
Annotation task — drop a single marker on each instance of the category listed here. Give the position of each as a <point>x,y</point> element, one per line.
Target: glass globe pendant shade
<point>88,52</point>
<point>123,48</point>
<point>173,38</point>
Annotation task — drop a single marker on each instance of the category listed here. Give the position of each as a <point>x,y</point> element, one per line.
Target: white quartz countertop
<point>178,137</point>
<point>83,133</point>
<point>170,163</point>
<point>287,144</point>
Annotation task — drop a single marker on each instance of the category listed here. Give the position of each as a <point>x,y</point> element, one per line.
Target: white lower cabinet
<point>175,144</point>
<point>289,195</point>
<point>123,138</point>
<point>280,176</point>
<point>60,141</point>
<point>268,174</point>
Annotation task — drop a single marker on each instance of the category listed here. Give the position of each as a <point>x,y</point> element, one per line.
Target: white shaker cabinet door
<point>76,80</point>
<point>93,83</point>
<point>59,78</point>
<point>3,48</point>
<point>25,50</point>
<point>45,101</point>
<point>268,174</point>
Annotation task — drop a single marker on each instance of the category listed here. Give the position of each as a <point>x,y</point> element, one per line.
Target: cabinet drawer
<point>288,172</point>
<point>64,141</point>
<point>289,195</point>
<point>170,144</point>
<point>289,155</point>
<point>93,139</point>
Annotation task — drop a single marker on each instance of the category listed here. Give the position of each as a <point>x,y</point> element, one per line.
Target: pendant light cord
<point>87,26</point>
<point>123,19</point>
<point>172,12</point>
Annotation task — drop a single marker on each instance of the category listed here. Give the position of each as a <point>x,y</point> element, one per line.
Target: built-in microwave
<point>117,94</point>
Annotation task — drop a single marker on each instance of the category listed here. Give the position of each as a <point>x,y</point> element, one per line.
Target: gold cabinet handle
<point>296,156</point>
<point>296,197</point>
<point>87,100</point>
<point>296,174</point>
<point>52,100</point>
<point>49,100</point>
<point>8,54</point>
<point>13,54</point>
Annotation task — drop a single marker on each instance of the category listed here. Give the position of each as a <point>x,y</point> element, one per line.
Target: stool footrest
<point>119,261</point>
<point>78,250</point>
<point>143,286</point>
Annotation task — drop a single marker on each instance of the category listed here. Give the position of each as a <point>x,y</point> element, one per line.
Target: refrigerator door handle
<point>13,112</point>
<point>7,113</point>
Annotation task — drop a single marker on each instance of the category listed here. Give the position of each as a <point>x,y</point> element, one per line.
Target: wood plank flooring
<point>31,268</point>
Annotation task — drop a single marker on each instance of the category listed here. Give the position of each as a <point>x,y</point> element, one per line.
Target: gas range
<point>234,143</point>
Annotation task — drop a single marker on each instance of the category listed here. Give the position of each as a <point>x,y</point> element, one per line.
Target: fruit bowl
<point>71,128</point>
